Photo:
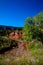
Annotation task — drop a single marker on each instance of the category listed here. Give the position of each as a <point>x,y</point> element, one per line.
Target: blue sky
<point>14,12</point>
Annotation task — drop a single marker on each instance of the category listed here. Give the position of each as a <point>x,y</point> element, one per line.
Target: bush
<point>5,32</point>
<point>34,44</point>
<point>6,42</point>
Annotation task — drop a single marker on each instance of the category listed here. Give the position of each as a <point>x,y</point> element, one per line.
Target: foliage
<point>33,28</point>
<point>33,31</point>
<point>5,32</point>
<point>6,42</point>
<point>34,44</point>
<point>27,29</point>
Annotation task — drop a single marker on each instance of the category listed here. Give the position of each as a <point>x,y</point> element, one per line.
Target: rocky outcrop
<point>17,34</point>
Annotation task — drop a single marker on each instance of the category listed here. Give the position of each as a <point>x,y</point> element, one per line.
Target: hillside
<point>3,27</point>
<point>10,44</point>
<point>22,47</point>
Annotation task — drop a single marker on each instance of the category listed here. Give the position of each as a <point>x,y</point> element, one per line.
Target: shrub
<point>6,42</point>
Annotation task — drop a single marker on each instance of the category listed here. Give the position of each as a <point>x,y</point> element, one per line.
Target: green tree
<point>33,28</point>
<point>39,26</point>
<point>39,20</point>
<point>27,29</point>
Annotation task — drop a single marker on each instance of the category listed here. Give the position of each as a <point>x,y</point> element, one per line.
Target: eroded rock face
<point>16,35</point>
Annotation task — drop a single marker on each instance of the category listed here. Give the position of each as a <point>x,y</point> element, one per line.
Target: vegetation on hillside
<point>33,31</point>
<point>5,32</point>
<point>6,42</point>
<point>33,28</point>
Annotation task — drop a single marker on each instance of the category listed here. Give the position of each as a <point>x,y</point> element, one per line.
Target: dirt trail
<point>20,50</point>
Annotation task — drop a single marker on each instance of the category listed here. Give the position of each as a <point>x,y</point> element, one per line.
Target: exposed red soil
<point>21,48</point>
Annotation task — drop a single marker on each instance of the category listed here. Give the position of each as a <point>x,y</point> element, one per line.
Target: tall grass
<point>36,58</point>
